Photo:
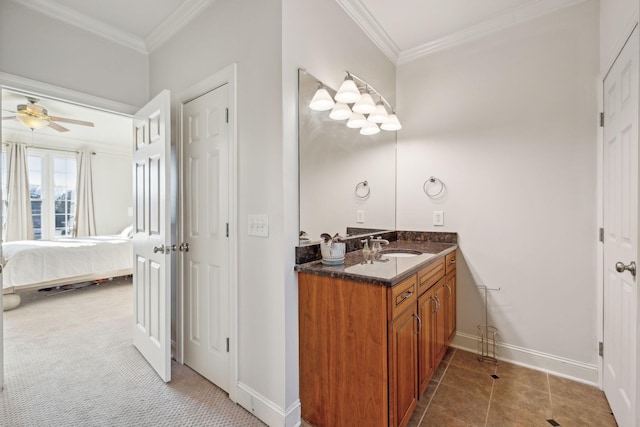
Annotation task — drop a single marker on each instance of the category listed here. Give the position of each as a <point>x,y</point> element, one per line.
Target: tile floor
<point>463,393</point>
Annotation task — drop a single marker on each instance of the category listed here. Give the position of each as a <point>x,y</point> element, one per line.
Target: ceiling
<point>403,30</point>
<point>111,132</point>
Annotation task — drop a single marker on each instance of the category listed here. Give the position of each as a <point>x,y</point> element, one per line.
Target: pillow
<point>127,233</point>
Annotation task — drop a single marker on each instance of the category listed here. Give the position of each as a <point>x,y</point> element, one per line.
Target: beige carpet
<point>69,361</point>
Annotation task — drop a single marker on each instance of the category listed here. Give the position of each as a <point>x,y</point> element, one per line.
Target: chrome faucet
<point>376,247</point>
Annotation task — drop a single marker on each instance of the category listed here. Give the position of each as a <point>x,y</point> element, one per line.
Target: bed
<point>33,264</point>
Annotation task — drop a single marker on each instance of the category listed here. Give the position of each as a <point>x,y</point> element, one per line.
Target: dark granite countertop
<point>387,273</point>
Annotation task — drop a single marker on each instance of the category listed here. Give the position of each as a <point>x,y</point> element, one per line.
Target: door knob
<point>620,267</point>
<point>184,247</point>
<point>157,249</point>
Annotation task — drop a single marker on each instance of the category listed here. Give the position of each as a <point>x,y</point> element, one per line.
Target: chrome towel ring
<point>363,190</point>
<point>433,187</point>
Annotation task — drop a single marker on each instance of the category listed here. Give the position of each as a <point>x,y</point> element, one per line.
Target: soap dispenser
<point>365,249</point>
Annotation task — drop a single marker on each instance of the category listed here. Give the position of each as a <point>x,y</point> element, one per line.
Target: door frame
<point>33,87</point>
<point>600,271</point>
<point>227,75</point>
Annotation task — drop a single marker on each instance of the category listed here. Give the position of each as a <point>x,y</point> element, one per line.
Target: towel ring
<point>363,190</point>
<point>432,180</point>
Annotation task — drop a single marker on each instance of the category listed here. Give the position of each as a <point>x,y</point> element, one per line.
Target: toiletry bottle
<point>365,249</point>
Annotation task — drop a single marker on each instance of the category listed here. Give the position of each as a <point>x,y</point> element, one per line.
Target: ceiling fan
<point>35,116</point>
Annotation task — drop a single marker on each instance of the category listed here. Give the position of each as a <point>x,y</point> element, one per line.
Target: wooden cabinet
<point>368,351</point>
<point>426,358</point>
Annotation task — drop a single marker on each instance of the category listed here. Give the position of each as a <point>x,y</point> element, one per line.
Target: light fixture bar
<point>371,89</point>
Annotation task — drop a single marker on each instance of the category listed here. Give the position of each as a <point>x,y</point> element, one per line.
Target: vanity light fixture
<point>362,114</point>
<point>321,101</point>
<point>348,91</point>
<point>366,104</point>
<point>341,111</point>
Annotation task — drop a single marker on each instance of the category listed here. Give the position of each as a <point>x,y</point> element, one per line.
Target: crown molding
<point>178,19</point>
<point>87,23</point>
<point>527,12</point>
<point>361,15</point>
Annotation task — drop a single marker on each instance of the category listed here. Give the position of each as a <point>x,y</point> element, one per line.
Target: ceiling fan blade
<point>73,122</point>
<point>57,127</point>
<point>9,111</point>
<point>9,118</point>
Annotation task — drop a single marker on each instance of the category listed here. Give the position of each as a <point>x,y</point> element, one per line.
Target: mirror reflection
<point>346,180</point>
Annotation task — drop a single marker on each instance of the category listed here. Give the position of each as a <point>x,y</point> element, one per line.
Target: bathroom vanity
<point>373,334</point>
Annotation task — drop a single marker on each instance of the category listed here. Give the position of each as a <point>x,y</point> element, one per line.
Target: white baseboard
<point>267,411</point>
<point>556,365</point>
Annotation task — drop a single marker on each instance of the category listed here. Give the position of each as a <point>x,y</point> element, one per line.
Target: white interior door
<point>206,221</point>
<point>152,234</point>
<point>621,233</point>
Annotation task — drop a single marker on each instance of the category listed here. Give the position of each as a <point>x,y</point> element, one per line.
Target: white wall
<point>112,189</point>
<point>246,32</point>
<point>617,18</point>
<point>508,123</point>
<point>37,47</point>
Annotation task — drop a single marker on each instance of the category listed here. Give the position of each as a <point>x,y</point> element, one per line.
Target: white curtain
<point>19,220</point>
<point>85,224</point>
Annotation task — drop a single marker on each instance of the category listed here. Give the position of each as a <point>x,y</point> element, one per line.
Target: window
<point>52,187</point>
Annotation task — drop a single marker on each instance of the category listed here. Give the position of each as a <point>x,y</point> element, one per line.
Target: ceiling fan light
<point>380,115</point>
<point>369,129</point>
<point>365,105</point>
<point>32,122</point>
<point>348,92</point>
<point>356,121</point>
<point>392,123</point>
<point>341,111</point>
<point>321,100</point>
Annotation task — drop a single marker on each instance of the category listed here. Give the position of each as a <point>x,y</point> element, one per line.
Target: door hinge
<point>227,115</point>
<point>601,348</point>
<point>227,229</point>
<point>601,119</point>
<point>227,345</point>
<point>601,234</point>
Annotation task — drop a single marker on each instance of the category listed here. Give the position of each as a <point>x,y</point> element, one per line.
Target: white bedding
<point>29,262</point>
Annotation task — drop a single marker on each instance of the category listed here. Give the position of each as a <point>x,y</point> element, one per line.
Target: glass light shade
<point>341,111</point>
<point>392,123</point>
<point>369,129</point>
<point>348,93</point>
<point>380,115</point>
<point>32,122</point>
<point>356,121</point>
<point>321,100</point>
<point>365,105</point>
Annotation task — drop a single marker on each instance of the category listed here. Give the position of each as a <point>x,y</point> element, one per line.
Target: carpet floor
<point>69,361</point>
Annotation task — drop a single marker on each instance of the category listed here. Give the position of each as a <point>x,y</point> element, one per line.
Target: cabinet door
<point>440,344</point>
<point>450,306</point>
<point>426,359</point>
<point>403,387</point>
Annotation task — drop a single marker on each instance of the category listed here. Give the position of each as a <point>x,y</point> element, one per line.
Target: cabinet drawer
<point>429,275</point>
<point>403,295</point>
<point>450,262</point>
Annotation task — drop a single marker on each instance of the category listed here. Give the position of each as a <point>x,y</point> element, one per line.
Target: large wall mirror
<point>347,181</point>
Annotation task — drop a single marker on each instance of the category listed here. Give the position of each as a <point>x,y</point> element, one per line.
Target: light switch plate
<point>259,225</point>
<point>360,217</point>
<point>438,218</point>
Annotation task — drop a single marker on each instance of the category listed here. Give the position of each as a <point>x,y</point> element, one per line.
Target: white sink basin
<point>400,253</point>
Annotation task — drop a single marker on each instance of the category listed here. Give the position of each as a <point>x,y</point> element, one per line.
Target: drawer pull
<point>405,296</point>
<point>453,261</point>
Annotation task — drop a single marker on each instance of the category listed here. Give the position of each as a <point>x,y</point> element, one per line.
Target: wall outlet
<point>360,217</point>
<point>438,218</point>
<point>259,225</point>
